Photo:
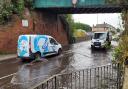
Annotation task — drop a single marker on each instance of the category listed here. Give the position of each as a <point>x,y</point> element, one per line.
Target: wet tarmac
<point>74,57</point>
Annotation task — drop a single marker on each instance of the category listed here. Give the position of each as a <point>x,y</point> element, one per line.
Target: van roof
<point>36,35</point>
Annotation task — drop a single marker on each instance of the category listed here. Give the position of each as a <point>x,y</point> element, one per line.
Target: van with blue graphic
<point>32,46</point>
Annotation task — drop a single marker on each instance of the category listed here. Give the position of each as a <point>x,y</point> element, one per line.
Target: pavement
<point>7,56</point>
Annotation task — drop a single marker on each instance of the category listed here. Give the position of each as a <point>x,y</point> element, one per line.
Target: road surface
<point>17,75</point>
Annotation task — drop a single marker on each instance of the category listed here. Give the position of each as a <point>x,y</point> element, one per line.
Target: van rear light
<point>30,46</point>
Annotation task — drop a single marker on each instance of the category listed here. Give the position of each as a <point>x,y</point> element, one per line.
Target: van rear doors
<point>23,46</point>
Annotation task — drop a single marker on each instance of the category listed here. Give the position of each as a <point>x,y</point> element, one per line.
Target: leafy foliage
<point>118,29</point>
<point>124,16</point>
<point>74,27</point>
<point>19,7</point>
<point>79,33</point>
<point>8,7</point>
<point>121,52</point>
<point>113,32</point>
<point>82,26</point>
<point>70,21</point>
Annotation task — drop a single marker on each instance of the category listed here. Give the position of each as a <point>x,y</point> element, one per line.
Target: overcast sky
<point>90,19</point>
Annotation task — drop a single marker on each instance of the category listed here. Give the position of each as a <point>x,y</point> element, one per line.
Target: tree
<point>70,20</point>
<point>82,26</point>
<point>6,8</point>
<point>79,33</point>
<point>10,7</point>
<point>118,30</point>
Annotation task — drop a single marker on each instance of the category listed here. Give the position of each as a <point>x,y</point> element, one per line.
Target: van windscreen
<point>99,36</point>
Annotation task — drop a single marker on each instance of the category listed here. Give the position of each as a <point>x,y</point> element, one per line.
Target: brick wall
<point>39,23</point>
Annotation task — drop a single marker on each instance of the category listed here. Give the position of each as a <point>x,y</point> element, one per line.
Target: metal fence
<point>104,77</point>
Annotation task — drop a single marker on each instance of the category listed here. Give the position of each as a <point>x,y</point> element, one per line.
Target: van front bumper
<point>97,45</point>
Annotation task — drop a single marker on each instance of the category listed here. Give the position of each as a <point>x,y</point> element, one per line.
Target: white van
<point>101,39</point>
<point>32,46</point>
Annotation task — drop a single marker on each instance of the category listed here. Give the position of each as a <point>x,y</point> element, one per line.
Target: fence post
<point>55,83</point>
<point>118,69</point>
<point>47,85</point>
<point>120,75</point>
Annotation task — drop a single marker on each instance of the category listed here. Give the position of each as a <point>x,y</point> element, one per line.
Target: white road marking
<point>7,76</point>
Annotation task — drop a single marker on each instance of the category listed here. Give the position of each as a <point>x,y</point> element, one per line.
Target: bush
<point>10,7</point>
<point>121,52</point>
<point>5,11</point>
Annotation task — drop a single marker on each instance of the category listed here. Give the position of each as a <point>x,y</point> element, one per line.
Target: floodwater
<point>74,57</point>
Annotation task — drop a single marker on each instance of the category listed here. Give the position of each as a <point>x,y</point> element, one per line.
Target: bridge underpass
<point>82,6</point>
<point>67,10</point>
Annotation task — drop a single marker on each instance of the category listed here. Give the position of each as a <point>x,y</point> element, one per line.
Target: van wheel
<point>92,47</point>
<point>23,60</point>
<point>37,56</point>
<point>59,51</point>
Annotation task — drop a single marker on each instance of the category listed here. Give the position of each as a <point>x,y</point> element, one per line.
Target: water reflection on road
<point>85,57</point>
<point>78,56</point>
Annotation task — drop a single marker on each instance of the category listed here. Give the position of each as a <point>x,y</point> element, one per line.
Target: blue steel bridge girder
<point>115,9</point>
<point>82,6</point>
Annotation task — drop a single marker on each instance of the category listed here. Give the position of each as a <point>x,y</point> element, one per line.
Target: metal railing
<point>104,77</point>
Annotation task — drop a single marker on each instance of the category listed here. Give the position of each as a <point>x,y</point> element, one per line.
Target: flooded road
<point>75,57</point>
